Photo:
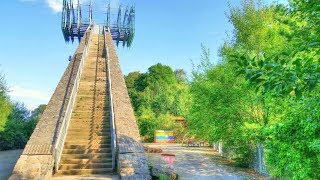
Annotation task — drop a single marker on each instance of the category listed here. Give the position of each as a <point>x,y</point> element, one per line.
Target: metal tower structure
<point>77,17</point>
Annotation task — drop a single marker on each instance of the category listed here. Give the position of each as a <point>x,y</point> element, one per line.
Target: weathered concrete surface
<point>132,162</point>
<point>33,167</point>
<point>36,161</point>
<point>7,161</point>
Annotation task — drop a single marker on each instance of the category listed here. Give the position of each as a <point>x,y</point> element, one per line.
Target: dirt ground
<point>200,163</point>
<point>7,161</point>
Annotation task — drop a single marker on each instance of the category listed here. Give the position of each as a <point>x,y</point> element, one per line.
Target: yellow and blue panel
<point>162,136</point>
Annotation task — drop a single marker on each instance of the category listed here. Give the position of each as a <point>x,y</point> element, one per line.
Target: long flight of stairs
<point>87,148</point>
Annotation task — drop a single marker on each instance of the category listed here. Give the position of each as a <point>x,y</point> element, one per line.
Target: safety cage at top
<point>77,17</point>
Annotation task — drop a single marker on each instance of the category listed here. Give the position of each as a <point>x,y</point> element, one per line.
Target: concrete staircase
<point>87,148</point>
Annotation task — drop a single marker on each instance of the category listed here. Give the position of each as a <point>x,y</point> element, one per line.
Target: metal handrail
<point>112,123</point>
<point>58,146</point>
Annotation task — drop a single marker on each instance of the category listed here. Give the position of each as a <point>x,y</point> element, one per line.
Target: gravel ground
<point>200,163</point>
<point>7,161</point>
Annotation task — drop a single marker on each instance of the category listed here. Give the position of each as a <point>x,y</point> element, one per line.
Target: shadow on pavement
<point>8,160</point>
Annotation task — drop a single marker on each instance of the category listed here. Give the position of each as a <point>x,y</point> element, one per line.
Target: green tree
<point>181,76</point>
<point>224,107</point>
<point>34,119</point>
<point>156,97</point>
<point>19,126</point>
<point>5,104</point>
<point>278,53</point>
<point>293,144</point>
<point>13,136</point>
<point>161,74</point>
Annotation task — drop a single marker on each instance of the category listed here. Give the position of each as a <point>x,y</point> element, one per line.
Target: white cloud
<point>55,5</point>
<point>30,97</point>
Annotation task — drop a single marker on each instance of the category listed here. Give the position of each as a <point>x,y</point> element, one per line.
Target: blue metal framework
<point>74,25</point>
<point>122,30</point>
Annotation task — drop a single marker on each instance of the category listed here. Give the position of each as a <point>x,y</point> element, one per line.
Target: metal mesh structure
<point>77,17</point>
<point>73,23</point>
<point>122,30</point>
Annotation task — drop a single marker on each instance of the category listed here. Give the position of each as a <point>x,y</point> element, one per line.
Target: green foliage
<point>160,74</point>
<point>265,89</point>
<point>19,127</point>
<point>293,143</point>
<point>276,49</point>
<point>34,119</point>
<point>224,107</point>
<point>157,96</point>
<point>13,135</point>
<point>149,123</point>
<point>181,76</point>
<point>255,27</point>
<point>5,104</point>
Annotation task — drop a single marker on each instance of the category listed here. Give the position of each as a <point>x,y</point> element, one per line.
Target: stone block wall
<point>132,160</point>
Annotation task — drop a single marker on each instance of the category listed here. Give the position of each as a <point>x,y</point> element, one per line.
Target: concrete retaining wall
<point>36,161</point>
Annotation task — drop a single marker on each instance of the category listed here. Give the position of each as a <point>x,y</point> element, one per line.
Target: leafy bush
<point>19,127</point>
<point>294,143</point>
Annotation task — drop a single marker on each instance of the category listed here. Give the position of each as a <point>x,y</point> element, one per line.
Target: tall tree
<point>156,97</point>
<point>181,76</point>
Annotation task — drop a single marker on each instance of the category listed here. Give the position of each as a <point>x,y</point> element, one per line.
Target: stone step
<point>80,141</point>
<point>86,161</point>
<point>96,83</point>
<point>98,129</point>
<point>90,121</point>
<point>86,115</point>
<point>86,151</point>
<point>90,95</point>
<point>98,123</point>
<point>70,138</point>
<point>87,73</point>
<point>89,124</point>
<point>85,166</point>
<point>94,131</point>
<point>92,127</point>
<point>86,156</point>
<point>105,121</point>
<point>84,171</point>
<point>89,113</point>
<point>86,146</point>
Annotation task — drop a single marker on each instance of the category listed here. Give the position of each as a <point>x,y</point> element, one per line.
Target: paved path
<point>201,163</point>
<point>8,160</point>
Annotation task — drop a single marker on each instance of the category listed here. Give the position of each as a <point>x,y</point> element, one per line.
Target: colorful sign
<point>161,136</point>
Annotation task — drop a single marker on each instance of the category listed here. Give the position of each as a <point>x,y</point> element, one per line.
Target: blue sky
<point>33,54</point>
